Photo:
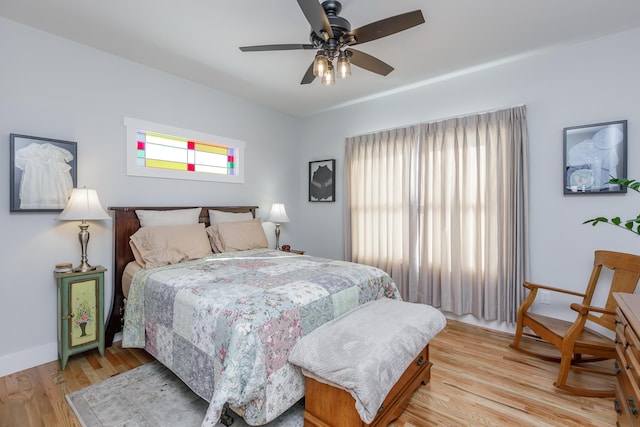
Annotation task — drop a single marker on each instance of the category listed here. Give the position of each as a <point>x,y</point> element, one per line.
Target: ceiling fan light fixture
<point>344,66</point>
<point>320,64</point>
<point>329,77</point>
<point>333,37</point>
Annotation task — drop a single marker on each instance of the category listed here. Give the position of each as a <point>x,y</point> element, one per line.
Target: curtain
<point>378,188</point>
<point>442,207</point>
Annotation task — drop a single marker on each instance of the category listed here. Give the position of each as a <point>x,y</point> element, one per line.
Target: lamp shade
<point>278,213</point>
<point>83,205</point>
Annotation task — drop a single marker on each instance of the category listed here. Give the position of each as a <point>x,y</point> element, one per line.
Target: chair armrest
<point>531,286</point>
<point>584,309</point>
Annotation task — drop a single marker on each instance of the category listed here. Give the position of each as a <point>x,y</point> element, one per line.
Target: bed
<point>225,323</point>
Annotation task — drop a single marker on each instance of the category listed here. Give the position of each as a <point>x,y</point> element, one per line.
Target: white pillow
<point>149,218</point>
<point>216,217</point>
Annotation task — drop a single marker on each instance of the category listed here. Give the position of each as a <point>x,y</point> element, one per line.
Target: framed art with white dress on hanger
<point>593,155</point>
<point>43,173</point>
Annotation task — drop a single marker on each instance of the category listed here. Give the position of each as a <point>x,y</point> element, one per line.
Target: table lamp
<point>278,215</point>
<point>83,205</point>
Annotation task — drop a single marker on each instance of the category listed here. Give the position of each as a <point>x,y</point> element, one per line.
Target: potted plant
<point>633,224</point>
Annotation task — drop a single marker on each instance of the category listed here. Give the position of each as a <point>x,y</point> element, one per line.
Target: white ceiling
<point>199,39</point>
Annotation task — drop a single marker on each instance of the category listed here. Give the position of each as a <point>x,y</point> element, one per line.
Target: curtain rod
<point>439,120</point>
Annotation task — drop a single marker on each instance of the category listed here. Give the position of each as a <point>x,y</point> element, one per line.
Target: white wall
<point>54,88</point>
<point>588,83</point>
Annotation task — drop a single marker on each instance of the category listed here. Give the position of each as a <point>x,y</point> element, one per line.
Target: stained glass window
<point>182,154</point>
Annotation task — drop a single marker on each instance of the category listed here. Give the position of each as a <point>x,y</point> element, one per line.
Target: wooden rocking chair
<point>574,340</point>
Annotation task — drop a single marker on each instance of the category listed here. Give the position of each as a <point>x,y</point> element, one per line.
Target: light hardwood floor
<point>477,380</point>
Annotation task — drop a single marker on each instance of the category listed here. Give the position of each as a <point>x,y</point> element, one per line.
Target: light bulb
<point>320,64</point>
<point>344,67</point>
<point>329,77</point>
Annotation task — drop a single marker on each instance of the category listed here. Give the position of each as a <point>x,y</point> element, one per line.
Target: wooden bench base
<point>328,406</point>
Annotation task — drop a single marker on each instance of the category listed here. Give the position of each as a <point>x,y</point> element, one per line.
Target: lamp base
<point>83,237</point>
<point>277,237</point>
<point>83,267</point>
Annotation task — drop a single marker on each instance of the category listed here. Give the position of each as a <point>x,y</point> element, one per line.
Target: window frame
<point>133,169</point>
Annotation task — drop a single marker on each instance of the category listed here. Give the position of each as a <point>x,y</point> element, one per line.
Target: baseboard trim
<point>25,359</point>
<point>487,324</point>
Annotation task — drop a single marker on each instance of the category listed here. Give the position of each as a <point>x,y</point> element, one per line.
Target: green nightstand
<point>80,312</point>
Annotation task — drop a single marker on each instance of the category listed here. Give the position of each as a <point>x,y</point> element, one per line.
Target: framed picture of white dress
<point>43,173</point>
<point>593,155</point>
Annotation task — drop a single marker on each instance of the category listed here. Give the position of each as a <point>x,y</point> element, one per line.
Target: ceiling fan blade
<point>308,76</point>
<point>368,62</point>
<point>276,47</point>
<point>317,17</point>
<point>388,26</point>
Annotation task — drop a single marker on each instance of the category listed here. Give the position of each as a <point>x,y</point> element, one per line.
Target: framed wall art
<point>43,173</point>
<point>322,181</point>
<point>593,154</point>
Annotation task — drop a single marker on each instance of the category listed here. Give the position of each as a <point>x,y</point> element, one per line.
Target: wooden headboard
<point>125,224</point>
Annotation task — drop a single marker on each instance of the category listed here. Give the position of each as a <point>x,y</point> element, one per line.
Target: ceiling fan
<point>333,37</point>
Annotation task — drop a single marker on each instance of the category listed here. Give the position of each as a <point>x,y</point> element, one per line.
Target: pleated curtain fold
<point>442,207</point>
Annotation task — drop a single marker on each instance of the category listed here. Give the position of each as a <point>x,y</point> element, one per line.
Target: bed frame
<point>126,223</point>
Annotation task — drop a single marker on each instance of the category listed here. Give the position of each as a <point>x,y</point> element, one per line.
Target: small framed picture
<point>322,181</point>
<point>593,154</point>
<point>43,173</point>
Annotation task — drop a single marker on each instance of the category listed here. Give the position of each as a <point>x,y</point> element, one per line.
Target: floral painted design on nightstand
<point>83,316</point>
<point>83,300</point>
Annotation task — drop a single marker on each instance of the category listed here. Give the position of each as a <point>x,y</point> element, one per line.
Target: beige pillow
<point>150,218</point>
<point>216,217</point>
<point>162,245</point>
<point>237,236</point>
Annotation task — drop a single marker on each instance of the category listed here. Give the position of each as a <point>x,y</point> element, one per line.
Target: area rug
<point>152,396</point>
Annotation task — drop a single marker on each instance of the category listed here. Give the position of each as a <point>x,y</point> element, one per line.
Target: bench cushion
<point>366,350</point>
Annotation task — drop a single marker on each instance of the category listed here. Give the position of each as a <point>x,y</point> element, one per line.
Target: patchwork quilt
<point>225,324</point>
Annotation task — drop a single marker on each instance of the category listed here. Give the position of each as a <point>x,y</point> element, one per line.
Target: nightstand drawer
<point>627,396</point>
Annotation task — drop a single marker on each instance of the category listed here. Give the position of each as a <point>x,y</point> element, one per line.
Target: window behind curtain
<point>442,207</point>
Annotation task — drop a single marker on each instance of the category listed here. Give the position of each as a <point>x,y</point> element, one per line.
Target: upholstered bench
<point>362,368</point>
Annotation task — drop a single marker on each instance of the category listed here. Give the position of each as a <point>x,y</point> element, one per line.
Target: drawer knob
<point>616,405</point>
<point>618,371</point>
<point>632,406</point>
<point>420,361</point>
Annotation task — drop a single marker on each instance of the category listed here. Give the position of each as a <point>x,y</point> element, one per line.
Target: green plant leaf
<point>629,224</point>
<point>595,221</point>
